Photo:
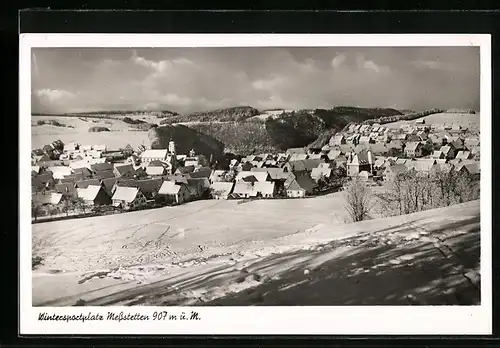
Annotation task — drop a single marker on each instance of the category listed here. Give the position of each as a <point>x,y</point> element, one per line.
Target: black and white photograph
<point>289,176</point>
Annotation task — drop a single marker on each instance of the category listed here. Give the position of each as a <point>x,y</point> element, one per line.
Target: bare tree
<point>358,199</point>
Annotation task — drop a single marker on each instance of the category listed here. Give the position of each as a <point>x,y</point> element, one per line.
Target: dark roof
<point>108,184</point>
<point>305,182</point>
<point>127,168</point>
<point>83,170</point>
<point>185,170</point>
<point>176,178</point>
<point>305,165</point>
<point>105,174</point>
<point>99,167</point>
<point>86,183</point>
<point>73,178</point>
<point>203,172</point>
<point>157,163</point>
<point>149,187</point>
<point>40,180</point>
<point>66,188</point>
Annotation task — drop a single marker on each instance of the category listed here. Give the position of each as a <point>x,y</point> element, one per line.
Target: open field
<point>119,136</point>
<point>471,120</point>
<point>283,252</point>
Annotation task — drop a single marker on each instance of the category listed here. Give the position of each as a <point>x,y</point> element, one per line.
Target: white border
<point>345,320</point>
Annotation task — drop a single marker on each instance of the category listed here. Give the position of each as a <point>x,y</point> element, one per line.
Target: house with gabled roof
<point>221,190</point>
<point>217,175</point>
<point>320,172</point>
<point>108,184</point>
<point>44,181</point>
<point>124,170</point>
<point>156,170</point>
<point>438,155</point>
<point>358,162</point>
<point>94,195</point>
<point>198,187</point>
<point>275,174</point>
<point>58,172</point>
<point>422,166</point>
<point>448,151</point>
<point>333,154</point>
<point>298,150</point>
<point>84,171</point>
<point>68,190</point>
<point>257,175</point>
<point>87,183</point>
<point>265,189</point>
<point>101,167</point>
<point>413,149</point>
<point>303,165</point>
<point>464,155</point>
<point>337,139</point>
<point>472,143</point>
<point>46,198</point>
<point>128,198</point>
<point>244,190</point>
<point>392,171</point>
<point>299,186</point>
<point>471,169</point>
<point>172,192</point>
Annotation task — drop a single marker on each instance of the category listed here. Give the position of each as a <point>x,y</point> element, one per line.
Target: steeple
<point>171,146</point>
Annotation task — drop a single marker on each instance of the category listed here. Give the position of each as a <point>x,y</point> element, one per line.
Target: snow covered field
<point>283,252</point>
<point>470,120</point>
<point>119,136</point>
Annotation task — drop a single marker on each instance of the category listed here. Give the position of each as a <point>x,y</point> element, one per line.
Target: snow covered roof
<point>155,170</point>
<point>47,198</point>
<point>89,193</point>
<point>265,187</point>
<point>169,188</point>
<point>242,188</point>
<point>154,154</point>
<point>274,173</point>
<point>127,194</point>
<point>260,176</point>
<point>58,172</point>
<point>222,187</point>
<point>412,145</point>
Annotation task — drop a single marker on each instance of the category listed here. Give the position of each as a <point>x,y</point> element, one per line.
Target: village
<point>73,180</point>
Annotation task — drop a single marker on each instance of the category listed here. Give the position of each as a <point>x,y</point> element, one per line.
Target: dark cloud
<point>190,79</point>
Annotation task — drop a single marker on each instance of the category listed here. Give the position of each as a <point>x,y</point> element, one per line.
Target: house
<point>217,175</point>
<point>380,163</point>
<point>319,173</point>
<point>359,162</point>
<point>472,143</point>
<point>68,190</point>
<point>221,190</point>
<point>265,189</point>
<point>101,167</point>
<point>440,168</point>
<point>364,128</point>
<point>422,166</point>
<point>85,148</point>
<point>392,171</point>
<point>133,160</point>
<point>178,179</point>
<point>364,175</point>
<point>413,138</point>
<point>202,172</point>
<point>353,140</point>
<point>333,154</point>
<point>87,183</point>
<point>41,158</point>
<point>72,178</point>
<point>106,174</point>
<point>337,139</point>
<point>170,192</point>
<point>365,140</point>
<point>58,172</point>
<point>400,136</point>
<point>299,186</point>
<point>184,170</point>
<point>108,184</point>
<point>128,198</point>
<point>448,151</point>
<point>156,170</point>
<point>438,155</point>
<point>244,190</point>
<point>458,144</point>
<point>149,187</point>
<point>464,155</point>
<point>123,170</point>
<point>153,155</point>
<point>275,174</point>
<point>379,149</point>
<point>298,157</point>
<point>401,161</point>
<point>315,156</point>
<point>413,149</point>
<point>420,121</point>
<point>94,195</point>
<point>302,165</point>
<point>46,198</point>
<point>43,181</point>
<point>99,147</point>
<point>84,171</point>
<point>471,169</point>
<point>259,176</point>
<point>299,150</point>
<point>198,186</point>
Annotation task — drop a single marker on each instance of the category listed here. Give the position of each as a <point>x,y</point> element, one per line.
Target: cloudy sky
<point>193,79</point>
